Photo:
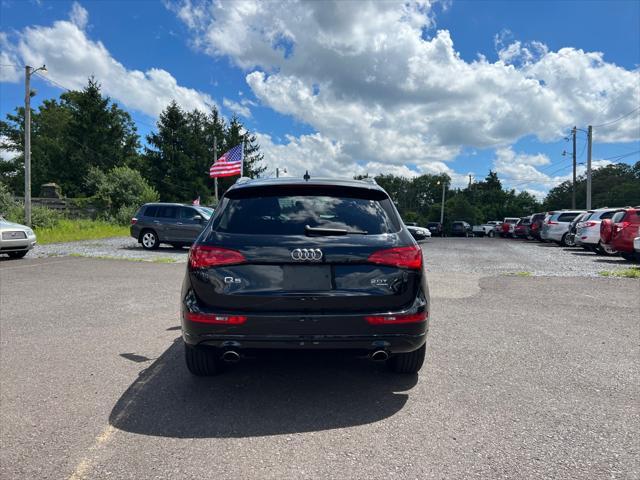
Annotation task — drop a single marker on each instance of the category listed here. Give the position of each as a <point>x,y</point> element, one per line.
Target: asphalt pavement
<point>525,377</point>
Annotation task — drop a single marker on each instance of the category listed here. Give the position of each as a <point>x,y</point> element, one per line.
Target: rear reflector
<point>405,257</point>
<point>201,256</point>
<point>394,319</point>
<point>213,318</point>
<point>552,223</point>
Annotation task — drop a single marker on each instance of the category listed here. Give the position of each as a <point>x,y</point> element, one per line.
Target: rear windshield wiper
<point>321,231</point>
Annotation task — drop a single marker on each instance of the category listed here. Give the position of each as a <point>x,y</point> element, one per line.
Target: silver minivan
<point>173,223</point>
<point>556,226</point>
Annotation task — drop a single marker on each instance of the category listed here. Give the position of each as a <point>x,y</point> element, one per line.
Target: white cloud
<point>71,57</point>
<point>10,70</point>
<point>237,108</point>
<point>79,15</point>
<point>366,77</point>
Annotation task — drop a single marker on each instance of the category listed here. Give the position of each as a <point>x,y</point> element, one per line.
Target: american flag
<point>228,164</point>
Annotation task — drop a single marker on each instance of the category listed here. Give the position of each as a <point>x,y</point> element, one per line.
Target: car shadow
<point>614,261</point>
<point>275,393</point>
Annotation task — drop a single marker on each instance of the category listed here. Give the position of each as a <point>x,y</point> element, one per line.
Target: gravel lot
<point>93,385</point>
<point>486,256</point>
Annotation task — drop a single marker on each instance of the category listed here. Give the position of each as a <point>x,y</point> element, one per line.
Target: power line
<point>619,118</point>
<point>623,155</point>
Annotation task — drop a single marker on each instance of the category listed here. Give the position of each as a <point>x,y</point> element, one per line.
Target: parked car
<point>418,233</point>
<point>172,223</point>
<point>15,239</point>
<point>486,229</point>
<point>556,226</point>
<point>508,226</point>
<point>588,230</point>
<point>521,229</point>
<point>573,228</point>
<point>536,225</point>
<point>436,229</point>
<point>307,265</point>
<point>625,227</point>
<point>461,229</point>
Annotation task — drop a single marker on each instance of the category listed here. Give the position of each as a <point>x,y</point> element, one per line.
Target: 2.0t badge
<point>307,254</point>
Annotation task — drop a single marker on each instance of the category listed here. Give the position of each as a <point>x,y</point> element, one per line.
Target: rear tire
<point>563,240</point>
<point>149,240</point>
<point>17,255</point>
<point>607,251</point>
<point>201,362</point>
<point>410,362</point>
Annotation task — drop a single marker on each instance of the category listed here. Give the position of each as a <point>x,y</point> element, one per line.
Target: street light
<point>28,71</point>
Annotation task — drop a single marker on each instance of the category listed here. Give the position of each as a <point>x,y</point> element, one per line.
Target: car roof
<point>341,182</point>
<point>171,204</point>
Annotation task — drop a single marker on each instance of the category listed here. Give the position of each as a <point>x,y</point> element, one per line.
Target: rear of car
<point>15,240</point>
<point>556,226</point>
<point>536,225</point>
<point>587,233</point>
<point>419,234</point>
<point>521,229</point>
<point>288,264</point>
<point>436,229</point>
<point>460,229</point>
<point>624,231</point>
<point>508,226</point>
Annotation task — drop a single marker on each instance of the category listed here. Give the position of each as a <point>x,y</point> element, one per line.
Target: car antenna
<point>307,176</point>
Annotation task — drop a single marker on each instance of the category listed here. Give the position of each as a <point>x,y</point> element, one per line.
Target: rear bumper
<point>392,343</point>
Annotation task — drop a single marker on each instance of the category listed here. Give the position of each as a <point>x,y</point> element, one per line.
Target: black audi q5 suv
<point>305,264</point>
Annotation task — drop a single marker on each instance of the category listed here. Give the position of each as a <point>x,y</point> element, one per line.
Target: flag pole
<point>244,147</point>
<point>215,179</point>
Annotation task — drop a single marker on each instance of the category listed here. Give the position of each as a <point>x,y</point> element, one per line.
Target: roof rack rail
<point>243,180</point>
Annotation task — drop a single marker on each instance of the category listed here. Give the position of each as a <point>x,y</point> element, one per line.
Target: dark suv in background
<point>307,265</point>
<point>171,223</point>
<point>461,229</point>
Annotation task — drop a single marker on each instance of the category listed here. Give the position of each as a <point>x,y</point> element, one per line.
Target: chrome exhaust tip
<point>231,356</point>
<point>379,356</point>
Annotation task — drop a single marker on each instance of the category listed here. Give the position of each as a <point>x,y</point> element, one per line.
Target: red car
<point>619,232</point>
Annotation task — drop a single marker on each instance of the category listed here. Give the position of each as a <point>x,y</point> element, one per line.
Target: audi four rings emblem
<point>307,254</point>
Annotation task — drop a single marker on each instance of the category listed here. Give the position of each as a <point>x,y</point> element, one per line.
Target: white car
<point>556,226</point>
<point>489,229</point>
<point>588,230</point>
<point>419,233</point>
<point>15,239</point>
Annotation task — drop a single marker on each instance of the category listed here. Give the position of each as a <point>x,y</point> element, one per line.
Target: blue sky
<point>419,98</point>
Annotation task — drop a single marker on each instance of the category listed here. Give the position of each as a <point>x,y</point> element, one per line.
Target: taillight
<point>216,319</point>
<point>624,225</point>
<point>589,224</point>
<point>394,319</point>
<point>134,220</point>
<point>406,257</point>
<point>201,256</point>
<point>552,223</point>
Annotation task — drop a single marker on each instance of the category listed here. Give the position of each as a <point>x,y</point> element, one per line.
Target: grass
<point>74,230</point>
<point>128,259</point>
<point>633,272</point>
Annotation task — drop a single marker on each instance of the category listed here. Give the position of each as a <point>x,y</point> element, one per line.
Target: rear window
<point>289,214</point>
<point>618,217</point>
<point>605,215</point>
<point>567,217</point>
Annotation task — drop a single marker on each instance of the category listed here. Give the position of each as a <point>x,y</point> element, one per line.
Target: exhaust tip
<point>379,356</point>
<point>231,356</point>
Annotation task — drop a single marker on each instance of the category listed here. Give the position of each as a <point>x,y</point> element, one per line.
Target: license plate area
<point>304,278</point>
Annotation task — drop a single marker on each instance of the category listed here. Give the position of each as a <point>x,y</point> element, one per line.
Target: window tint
<point>288,215</point>
<point>608,214</point>
<point>187,213</point>
<point>618,217</point>
<point>151,211</point>
<point>567,217</point>
<point>167,211</point>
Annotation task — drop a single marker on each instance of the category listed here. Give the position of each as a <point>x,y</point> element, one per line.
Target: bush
<point>7,203</point>
<point>119,192</point>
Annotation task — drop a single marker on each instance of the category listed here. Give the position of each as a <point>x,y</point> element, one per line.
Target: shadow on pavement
<point>277,393</point>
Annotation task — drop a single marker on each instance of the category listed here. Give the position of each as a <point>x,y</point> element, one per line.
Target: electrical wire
<point>618,119</point>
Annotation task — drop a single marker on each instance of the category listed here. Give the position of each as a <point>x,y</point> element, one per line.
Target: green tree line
<point>83,134</point>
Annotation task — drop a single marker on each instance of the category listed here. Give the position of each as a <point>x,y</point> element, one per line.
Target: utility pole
<point>573,187</point>
<point>442,203</point>
<point>215,179</point>
<point>277,172</point>
<point>470,177</point>
<point>28,71</point>
<point>589,142</point>
<point>27,145</point>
